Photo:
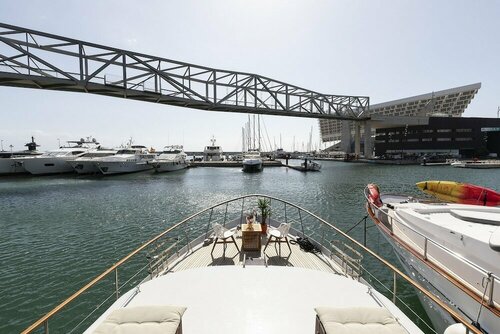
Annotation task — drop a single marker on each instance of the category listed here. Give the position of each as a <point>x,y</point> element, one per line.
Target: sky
<point>386,50</point>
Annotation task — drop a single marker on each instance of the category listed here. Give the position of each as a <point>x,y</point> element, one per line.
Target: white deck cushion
<point>143,320</point>
<point>359,320</point>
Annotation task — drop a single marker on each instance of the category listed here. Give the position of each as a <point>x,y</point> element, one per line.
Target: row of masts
<point>251,135</point>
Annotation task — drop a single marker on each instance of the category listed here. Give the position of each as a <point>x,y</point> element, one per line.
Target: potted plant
<point>264,204</point>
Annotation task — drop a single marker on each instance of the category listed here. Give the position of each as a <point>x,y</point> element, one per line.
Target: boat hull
<point>169,166</point>
<point>84,167</point>
<point>46,166</point>
<point>252,166</point>
<point>10,166</point>
<point>440,319</point>
<point>122,167</point>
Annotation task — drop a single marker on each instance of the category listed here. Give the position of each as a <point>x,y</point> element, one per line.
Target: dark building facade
<point>467,137</point>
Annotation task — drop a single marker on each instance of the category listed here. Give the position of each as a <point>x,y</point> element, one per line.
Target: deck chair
<point>222,235</point>
<point>279,235</point>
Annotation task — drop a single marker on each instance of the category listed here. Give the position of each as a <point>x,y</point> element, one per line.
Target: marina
<point>95,217</point>
<point>166,216</point>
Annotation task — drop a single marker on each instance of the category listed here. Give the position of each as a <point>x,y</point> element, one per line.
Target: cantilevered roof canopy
<point>449,102</point>
<point>452,102</point>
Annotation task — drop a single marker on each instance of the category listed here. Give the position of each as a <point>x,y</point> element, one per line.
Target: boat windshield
<point>126,152</point>
<point>97,154</point>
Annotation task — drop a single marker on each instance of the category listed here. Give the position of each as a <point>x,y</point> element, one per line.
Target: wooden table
<point>250,239</point>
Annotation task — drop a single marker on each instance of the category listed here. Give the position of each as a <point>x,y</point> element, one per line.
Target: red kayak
<point>463,193</point>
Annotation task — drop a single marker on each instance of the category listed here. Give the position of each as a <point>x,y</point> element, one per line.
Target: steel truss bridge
<point>35,59</point>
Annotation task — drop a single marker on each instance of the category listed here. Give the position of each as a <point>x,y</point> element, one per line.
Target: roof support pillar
<point>357,138</point>
<point>346,136</point>
<point>368,151</point>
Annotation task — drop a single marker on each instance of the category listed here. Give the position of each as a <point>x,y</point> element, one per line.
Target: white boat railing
<point>176,242</point>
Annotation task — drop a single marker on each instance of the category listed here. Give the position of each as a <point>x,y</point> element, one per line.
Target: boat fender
<point>374,195</point>
<point>455,329</point>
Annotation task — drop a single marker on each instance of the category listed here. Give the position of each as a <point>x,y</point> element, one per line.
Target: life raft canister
<point>374,195</point>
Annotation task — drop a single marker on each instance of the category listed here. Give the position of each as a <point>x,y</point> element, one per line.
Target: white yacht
<point>171,159</point>
<point>252,161</point>
<point>9,166</point>
<point>215,272</point>
<point>453,249</point>
<point>212,152</point>
<point>56,161</point>
<point>85,164</point>
<point>477,164</point>
<point>135,158</point>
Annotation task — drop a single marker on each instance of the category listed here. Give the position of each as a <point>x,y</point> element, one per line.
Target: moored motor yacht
<point>453,249</point>
<point>252,161</point>
<point>134,158</point>
<point>215,272</point>
<point>10,166</point>
<point>56,161</point>
<point>477,164</point>
<point>212,152</point>
<point>172,158</point>
<point>85,164</point>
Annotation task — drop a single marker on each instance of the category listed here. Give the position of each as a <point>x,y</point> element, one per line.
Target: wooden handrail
<point>56,309</point>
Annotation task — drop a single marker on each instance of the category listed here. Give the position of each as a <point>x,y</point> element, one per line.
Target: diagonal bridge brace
<point>87,65</point>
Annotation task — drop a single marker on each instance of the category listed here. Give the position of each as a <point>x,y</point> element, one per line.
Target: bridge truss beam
<point>34,59</point>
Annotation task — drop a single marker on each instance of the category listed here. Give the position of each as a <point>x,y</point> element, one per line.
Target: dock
<point>299,168</point>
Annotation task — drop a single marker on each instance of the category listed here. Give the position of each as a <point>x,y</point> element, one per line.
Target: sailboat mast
<point>242,139</point>
<point>249,134</point>
<point>258,120</point>
<point>253,132</point>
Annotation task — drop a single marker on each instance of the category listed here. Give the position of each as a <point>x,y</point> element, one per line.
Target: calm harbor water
<point>58,232</point>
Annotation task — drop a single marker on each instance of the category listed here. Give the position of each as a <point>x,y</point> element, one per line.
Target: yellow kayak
<point>463,193</point>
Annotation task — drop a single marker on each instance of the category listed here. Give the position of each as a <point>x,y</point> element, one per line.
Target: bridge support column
<point>346,137</point>
<point>368,151</point>
<point>357,138</point>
